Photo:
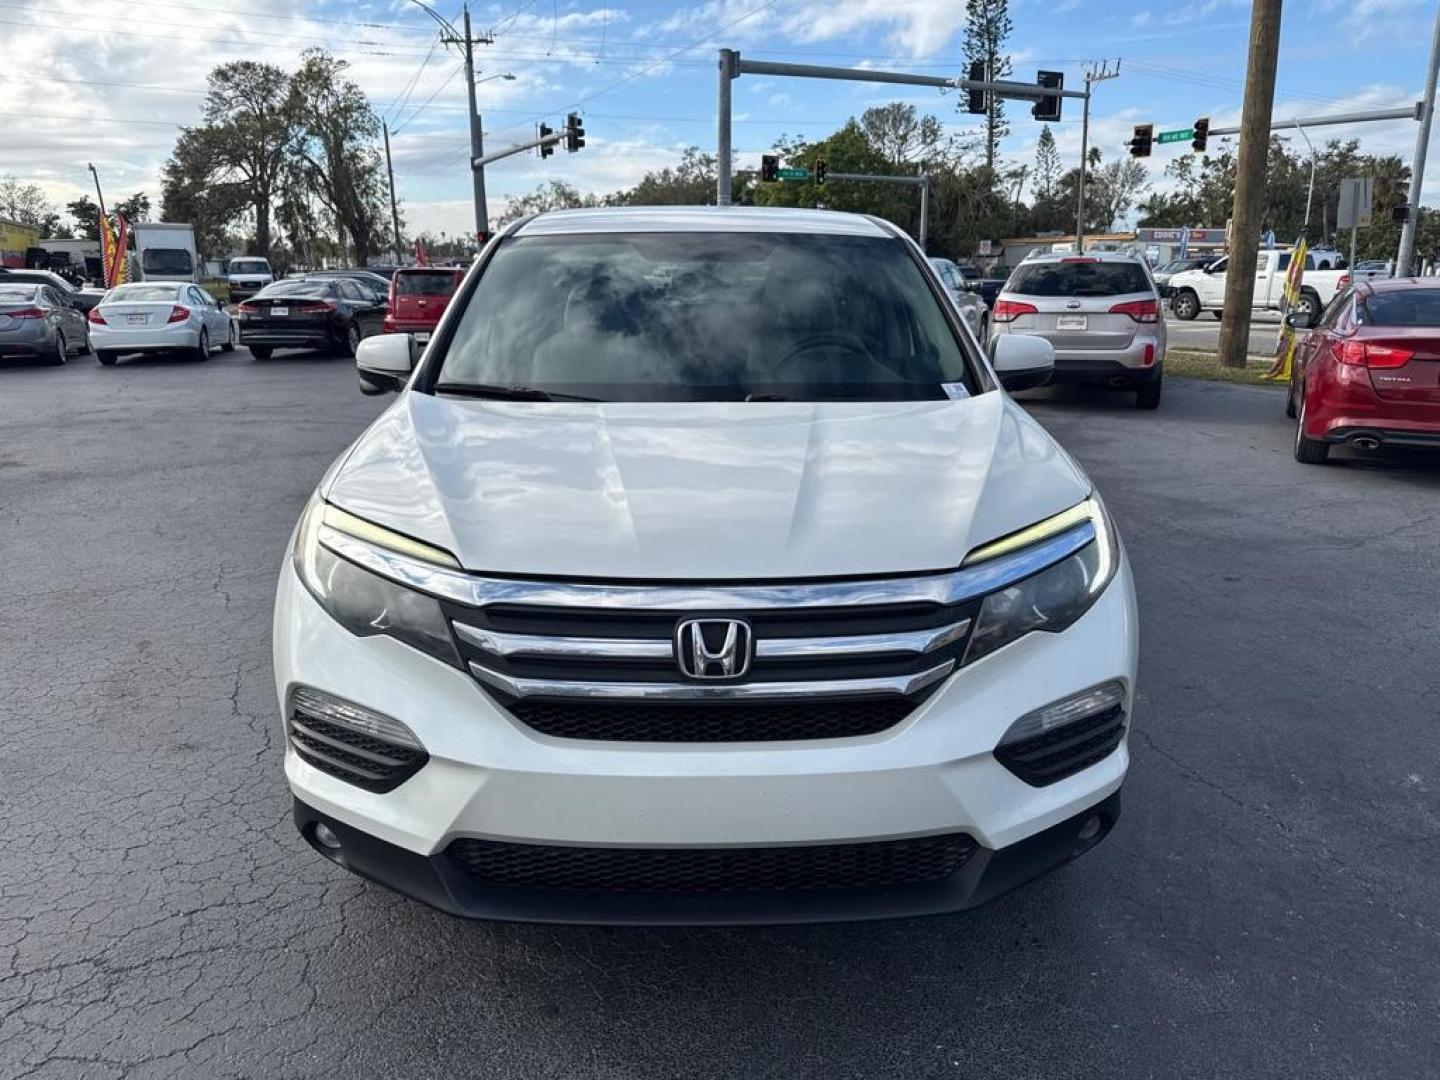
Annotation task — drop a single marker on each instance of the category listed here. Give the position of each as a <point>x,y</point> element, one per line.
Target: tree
<point>86,213</point>
<point>1113,189</point>
<point>903,136</point>
<point>987,27</point>
<point>690,183</point>
<point>24,203</point>
<point>1047,165</point>
<point>334,150</point>
<point>554,195</point>
<point>135,208</point>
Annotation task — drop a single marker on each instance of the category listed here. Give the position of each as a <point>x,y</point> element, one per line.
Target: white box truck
<point>166,251</point>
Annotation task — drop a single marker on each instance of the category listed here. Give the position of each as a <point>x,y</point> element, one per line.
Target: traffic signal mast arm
<point>546,141</point>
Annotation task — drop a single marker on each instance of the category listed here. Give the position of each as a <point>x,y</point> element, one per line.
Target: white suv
<point>702,571</point>
<point>1102,313</point>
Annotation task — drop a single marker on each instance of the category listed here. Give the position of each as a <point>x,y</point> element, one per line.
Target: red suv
<point>1368,374</point>
<point>418,297</point>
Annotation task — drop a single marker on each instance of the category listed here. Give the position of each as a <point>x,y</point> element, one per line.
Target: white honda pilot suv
<point>704,572</point>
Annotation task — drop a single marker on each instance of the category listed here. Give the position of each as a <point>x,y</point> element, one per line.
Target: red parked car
<point>418,297</point>
<point>1368,373</point>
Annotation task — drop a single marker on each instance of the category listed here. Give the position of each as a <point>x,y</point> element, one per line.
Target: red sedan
<point>1368,373</point>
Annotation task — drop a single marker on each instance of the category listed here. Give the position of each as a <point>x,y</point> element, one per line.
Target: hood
<point>705,491</point>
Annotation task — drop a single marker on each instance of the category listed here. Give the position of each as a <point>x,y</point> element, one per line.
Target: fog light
<point>1088,831</point>
<point>325,837</point>
<point>1076,707</point>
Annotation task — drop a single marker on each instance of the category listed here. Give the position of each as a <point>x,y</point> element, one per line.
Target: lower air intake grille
<point>1044,759</point>
<point>710,870</point>
<point>748,722</point>
<point>362,760</point>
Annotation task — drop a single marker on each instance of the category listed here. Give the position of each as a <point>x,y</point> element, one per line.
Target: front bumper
<point>490,777</point>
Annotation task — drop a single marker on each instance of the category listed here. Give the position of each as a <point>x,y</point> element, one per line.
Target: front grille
<point>1054,755</point>
<point>759,721</point>
<point>712,870</point>
<point>359,759</point>
<point>613,672</point>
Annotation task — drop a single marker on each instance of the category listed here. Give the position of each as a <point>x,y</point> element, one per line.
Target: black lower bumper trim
<point>1103,373</point>
<point>1385,436</point>
<point>437,881</point>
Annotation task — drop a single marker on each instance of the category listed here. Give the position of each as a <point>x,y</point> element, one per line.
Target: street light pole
<point>1310,193</point>
<point>394,211</point>
<point>1417,171</point>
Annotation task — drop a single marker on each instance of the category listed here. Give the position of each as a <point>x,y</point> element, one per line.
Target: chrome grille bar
<point>944,588</point>
<point>575,648</point>
<point>745,691</point>
<point>839,647</point>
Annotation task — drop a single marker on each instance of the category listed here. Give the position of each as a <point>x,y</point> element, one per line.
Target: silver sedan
<point>159,316</point>
<point>972,307</point>
<point>37,323</point>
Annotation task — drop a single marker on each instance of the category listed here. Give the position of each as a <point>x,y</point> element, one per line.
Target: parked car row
<point>43,317</point>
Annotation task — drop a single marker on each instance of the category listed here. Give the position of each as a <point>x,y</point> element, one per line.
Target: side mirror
<point>385,362</point>
<point>1023,361</point>
<point>1300,320</point>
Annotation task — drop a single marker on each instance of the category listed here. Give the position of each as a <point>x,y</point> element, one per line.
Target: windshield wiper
<point>508,393</point>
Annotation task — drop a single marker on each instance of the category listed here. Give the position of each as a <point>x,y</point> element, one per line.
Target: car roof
<point>752,219</point>
<point>1384,285</point>
<point>1089,256</point>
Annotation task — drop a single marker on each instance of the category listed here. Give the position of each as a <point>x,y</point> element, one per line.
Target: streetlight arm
<point>445,24</point>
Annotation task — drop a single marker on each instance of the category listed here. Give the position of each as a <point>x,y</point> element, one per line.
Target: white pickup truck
<point>1204,289</point>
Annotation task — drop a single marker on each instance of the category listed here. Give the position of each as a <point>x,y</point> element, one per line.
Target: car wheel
<point>107,356</point>
<point>261,352</point>
<point>1148,396</point>
<point>229,345</point>
<point>202,346</point>
<point>352,340</point>
<point>61,353</point>
<point>1186,305</point>
<point>1308,451</point>
<point>1308,303</point>
<point>85,342</point>
<point>1290,399</point>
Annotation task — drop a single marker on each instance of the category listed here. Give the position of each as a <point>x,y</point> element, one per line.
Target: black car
<point>309,313</point>
<point>81,299</point>
<point>376,283</point>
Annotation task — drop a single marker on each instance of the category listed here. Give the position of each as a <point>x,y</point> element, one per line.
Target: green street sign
<point>794,174</point>
<point>1183,135</point>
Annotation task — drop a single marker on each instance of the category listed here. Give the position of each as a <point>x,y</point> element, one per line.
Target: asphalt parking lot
<point>1265,908</point>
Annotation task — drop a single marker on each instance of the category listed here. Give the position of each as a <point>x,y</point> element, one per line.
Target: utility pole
<point>99,198</point>
<point>451,36</point>
<point>394,213</point>
<point>1417,170</point>
<point>1250,181</point>
<point>1093,75</point>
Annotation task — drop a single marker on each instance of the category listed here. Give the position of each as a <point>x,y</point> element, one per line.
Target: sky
<point>111,81</point>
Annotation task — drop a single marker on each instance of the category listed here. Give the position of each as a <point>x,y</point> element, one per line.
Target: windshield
<point>440,283</point>
<point>18,294</point>
<point>166,261</point>
<point>1402,307</point>
<point>706,317</point>
<point>249,266</point>
<point>1079,277</point>
<point>133,293</point>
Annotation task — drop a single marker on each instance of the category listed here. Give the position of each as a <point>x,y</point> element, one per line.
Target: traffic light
<point>769,168</point>
<point>1202,135</point>
<point>976,100</point>
<point>1048,107</point>
<point>822,169</point>
<point>1140,142</point>
<point>546,149</point>
<point>574,133</point>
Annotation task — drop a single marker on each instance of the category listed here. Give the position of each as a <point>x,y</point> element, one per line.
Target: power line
<point>404,97</point>
<point>438,91</point>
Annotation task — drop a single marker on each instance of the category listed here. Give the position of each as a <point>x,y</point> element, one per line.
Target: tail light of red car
<point>94,316</point>
<point>1010,310</point>
<point>1147,311</point>
<point>179,313</point>
<point>1370,355</point>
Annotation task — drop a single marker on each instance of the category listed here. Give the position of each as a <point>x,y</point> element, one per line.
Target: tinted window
<point>299,287</point>
<point>166,261</point>
<point>134,293</point>
<point>17,294</point>
<point>1079,277</point>
<point>1402,307</point>
<point>1331,315</point>
<point>707,317</point>
<point>421,284</point>
<point>249,266</point>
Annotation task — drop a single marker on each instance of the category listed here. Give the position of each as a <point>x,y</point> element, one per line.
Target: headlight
<point>1056,596</point>
<point>362,602</point>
